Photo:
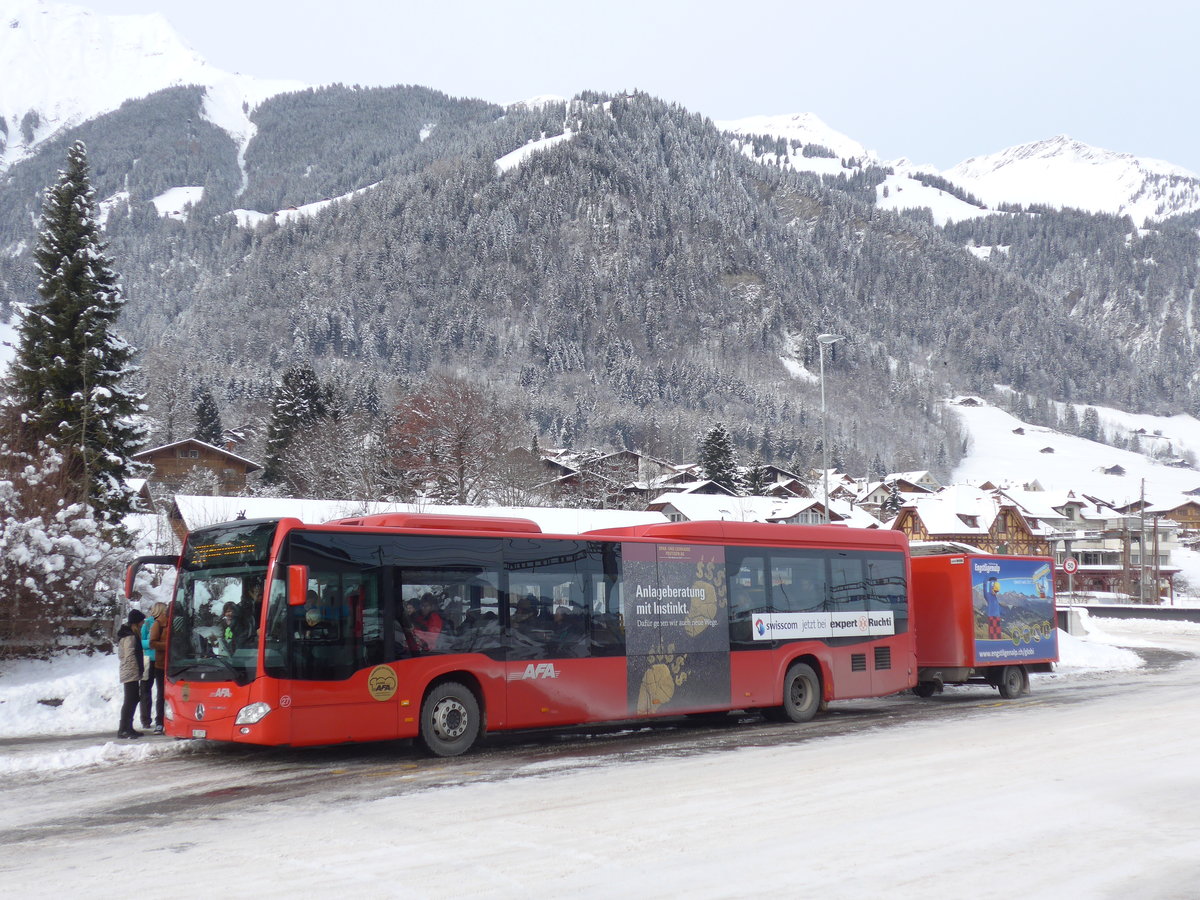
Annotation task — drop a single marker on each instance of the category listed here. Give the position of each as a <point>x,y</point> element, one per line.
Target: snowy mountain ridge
<point>1063,172</point>
<point>805,128</point>
<point>65,64</point>
<point>1058,172</point>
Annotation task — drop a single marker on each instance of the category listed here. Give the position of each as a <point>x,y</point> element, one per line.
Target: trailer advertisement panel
<point>1013,602</point>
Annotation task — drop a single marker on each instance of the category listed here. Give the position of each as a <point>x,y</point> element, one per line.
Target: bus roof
<point>759,532</point>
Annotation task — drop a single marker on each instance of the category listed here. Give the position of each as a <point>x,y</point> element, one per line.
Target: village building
<point>989,520</point>
<point>177,463</point>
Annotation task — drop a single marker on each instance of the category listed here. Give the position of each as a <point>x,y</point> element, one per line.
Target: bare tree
<point>450,441</point>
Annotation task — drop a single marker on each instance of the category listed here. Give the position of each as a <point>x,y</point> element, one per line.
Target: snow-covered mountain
<point>65,64</point>
<point>803,128</point>
<point>1058,172</point>
<point>1062,172</point>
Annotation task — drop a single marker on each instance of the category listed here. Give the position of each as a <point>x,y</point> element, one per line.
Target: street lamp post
<point>824,340</point>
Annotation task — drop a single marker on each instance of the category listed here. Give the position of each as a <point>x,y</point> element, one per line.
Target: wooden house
<point>175,463</point>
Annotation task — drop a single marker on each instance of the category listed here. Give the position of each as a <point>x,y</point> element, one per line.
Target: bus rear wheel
<point>801,696</point>
<point>1012,683</point>
<point>450,721</point>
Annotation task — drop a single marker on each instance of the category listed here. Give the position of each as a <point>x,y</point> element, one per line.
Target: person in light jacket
<point>131,669</point>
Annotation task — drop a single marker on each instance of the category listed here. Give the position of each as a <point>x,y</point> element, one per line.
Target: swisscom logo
<point>760,626</point>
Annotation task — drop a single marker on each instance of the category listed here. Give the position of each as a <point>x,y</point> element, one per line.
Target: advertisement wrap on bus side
<point>1014,610</point>
<point>677,627</point>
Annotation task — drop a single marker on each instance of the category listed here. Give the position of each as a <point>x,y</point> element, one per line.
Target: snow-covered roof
<point>142,454</point>
<point>962,509</point>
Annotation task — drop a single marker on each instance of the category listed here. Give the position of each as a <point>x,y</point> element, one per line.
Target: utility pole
<point>1142,545</point>
<point>823,341</point>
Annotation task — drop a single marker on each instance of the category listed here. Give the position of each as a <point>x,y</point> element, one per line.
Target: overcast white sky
<point>934,80</point>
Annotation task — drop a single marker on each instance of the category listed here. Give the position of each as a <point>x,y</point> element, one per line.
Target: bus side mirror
<point>132,569</point>
<point>297,582</point>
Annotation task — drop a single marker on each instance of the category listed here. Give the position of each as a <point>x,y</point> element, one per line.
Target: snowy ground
<point>1093,797</point>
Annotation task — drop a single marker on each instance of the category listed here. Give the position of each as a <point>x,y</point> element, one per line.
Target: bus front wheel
<point>450,721</point>
<point>801,695</point>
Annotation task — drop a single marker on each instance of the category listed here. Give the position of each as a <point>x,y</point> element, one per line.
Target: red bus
<point>442,628</point>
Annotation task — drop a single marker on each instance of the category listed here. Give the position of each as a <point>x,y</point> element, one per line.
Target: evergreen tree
<point>717,459</point>
<point>876,470</point>
<point>208,418</point>
<point>69,381</point>
<point>757,478</point>
<point>891,503</point>
<point>298,403</point>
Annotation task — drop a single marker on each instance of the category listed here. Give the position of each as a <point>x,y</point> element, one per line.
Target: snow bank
<point>72,693</point>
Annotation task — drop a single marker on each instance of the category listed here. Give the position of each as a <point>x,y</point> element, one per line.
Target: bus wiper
<point>209,664</point>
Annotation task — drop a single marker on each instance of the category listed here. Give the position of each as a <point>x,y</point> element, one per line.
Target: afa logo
<point>760,626</point>
<point>382,683</point>
<point>221,692</point>
<point>531,671</point>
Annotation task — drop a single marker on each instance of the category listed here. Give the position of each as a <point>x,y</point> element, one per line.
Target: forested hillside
<point>629,286</point>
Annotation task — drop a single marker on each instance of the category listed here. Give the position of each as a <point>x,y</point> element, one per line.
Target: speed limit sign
<point>1070,565</point>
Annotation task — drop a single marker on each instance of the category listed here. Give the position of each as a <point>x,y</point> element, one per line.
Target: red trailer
<point>983,620</point>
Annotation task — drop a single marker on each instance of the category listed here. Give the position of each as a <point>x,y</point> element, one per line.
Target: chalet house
<point>921,481</point>
<point>1105,541</point>
<point>875,493</point>
<point>175,463</point>
<point>792,487</point>
<point>962,514</point>
<point>1186,514</point>
<point>624,472</point>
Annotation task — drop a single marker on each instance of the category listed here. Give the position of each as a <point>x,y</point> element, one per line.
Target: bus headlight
<point>168,711</point>
<point>248,715</point>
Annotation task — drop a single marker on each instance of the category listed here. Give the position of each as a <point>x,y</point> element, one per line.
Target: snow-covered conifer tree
<point>717,458</point>
<point>69,383</point>
<point>299,402</point>
<point>208,418</point>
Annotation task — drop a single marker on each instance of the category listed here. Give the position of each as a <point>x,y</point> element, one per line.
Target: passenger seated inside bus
<point>568,636</point>
<point>428,622</point>
<point>525,611</point>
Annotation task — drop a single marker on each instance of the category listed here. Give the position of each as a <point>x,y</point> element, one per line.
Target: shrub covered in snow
<point>59,565</point>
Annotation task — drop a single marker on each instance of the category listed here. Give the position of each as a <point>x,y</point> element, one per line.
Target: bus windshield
<point>218,604</point>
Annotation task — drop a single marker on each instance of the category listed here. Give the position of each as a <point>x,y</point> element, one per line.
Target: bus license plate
<point>199,732</point>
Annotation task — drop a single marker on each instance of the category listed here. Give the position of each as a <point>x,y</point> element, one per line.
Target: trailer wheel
<point>925,689</point>
<point>1012,682</point>
<point>450,721</point>
<point>801,694</point>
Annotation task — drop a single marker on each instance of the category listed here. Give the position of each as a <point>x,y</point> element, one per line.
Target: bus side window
<point>848,584</point>
<point>797,583</point>
<point>746,595</point>
<point>608,620</point>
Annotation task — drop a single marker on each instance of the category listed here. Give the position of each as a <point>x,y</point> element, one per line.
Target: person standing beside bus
<point>157,663</point>
<point>130,669</point>
<point>146,684</point>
